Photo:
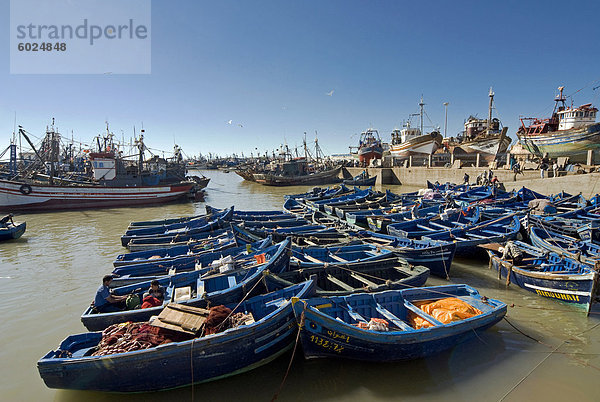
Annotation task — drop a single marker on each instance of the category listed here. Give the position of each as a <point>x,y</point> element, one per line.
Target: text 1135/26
<point>42,47</point>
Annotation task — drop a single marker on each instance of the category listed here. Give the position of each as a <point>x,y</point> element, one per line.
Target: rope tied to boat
<point>300,326</point>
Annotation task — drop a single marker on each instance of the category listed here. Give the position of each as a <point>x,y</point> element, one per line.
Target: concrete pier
<point>588,184</point>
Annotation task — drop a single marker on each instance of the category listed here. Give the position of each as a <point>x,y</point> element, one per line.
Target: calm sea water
<point>48,277</point>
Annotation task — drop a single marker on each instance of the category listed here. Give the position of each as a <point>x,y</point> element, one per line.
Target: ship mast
<point>421,104</point>
<point>489,123</point>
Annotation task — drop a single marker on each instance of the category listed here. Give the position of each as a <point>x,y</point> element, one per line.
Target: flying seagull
<point>330,93</point>
<point>229,122</point>
<point>240,125</point>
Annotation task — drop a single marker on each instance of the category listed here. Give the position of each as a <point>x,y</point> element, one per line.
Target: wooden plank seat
<point>392,318</point>
<point>339,283</point>
<point>340,259</point>
<point>421,313</point>
<point>313,259</point>
<point>363,280</point>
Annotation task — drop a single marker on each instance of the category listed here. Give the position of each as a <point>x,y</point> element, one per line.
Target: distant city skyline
<point>240,77</point>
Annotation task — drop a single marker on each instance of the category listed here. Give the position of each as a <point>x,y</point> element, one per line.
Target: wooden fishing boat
<point>200,223</point>
<point>433,254</point>
<point>218,221</point>
<point>152,269</point>
<point>362,179</point>
<point>339,326</point>
<point>10,230</point>
<point>196,289</point>
<point>343,278</point>
<point>413,140</point>
<point>449,220</point>
<point>319,205</point>
<point>323,177</point>
<point>167,254</point>
<point>318,193</point>
<point>467,239</point>
<point>379,220</point>
<point>568,132</point>
<point>208,239</point>
<point>369,147</point>
<point>176,364</point>
<point>309,257</point>
<point>548,275</point>
<point>584,251</point>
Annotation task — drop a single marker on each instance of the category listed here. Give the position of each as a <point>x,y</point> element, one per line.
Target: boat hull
<point>577,290</point>
<point>329,176</point>
<point>423,145</point>
<point>18,196</point>
<point>365,154</point>
<point>573,143</point>
<point>13,232</point>
<point>488,148</point>
<point>324,336</point>
<point>177,364</point>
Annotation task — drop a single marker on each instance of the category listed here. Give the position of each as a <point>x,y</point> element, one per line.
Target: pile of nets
<point>129,336</point>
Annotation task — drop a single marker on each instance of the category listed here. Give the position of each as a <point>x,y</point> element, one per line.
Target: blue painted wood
<point>327,330</point>
<point>11,232</point>
<point>219,221</point>
<point>179,364</point>
<point>467,239</point>
<point>433,254</point>
<point>550,275</point>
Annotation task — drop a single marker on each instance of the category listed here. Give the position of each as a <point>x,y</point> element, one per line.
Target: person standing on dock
<point>543,168</point>
<point>555,169</point>
<point>466,178</point>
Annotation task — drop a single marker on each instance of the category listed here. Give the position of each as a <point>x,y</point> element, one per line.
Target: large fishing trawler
<point>481,136</point>
<point>411,140</point>
<point>569,132</point>
<point>106,180</point>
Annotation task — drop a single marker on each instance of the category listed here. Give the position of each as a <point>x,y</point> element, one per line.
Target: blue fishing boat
<point>193,289</point>
<point>379,220</point>
<point>358,195</point>
<point>206,239</point>
<point>318,193</point>
<point>467,239</point>
<point>450,219</point>
<point>310,257</point>
<point>10,230</point>
<point>380,327</point>
<point>133,273</point>
<point>362,179</point>
<point>177,364</point>
<point>584,251</point>
<point>184,253</point>
<point>548,275</point>
<point>178,235</point>
<point>199,225</point>
<point>433,254</point>
<point>343,278</point>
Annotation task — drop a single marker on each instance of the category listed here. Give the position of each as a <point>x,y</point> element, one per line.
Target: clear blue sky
<point>268,66</point>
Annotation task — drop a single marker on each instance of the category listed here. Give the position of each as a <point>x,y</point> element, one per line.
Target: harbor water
<point>545,350</point>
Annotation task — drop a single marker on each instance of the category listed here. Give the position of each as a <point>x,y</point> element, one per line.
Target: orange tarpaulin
<point>444,310</point>
<point>260,258</point>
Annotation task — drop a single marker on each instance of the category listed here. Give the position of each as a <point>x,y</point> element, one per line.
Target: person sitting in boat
<point>5,219</point>
<point>541,206</point>
<point>414,210</point>
<point>512,251</point>
<point>154,296</point>
<point>105,301</point>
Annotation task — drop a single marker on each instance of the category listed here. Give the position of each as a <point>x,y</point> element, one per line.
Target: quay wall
<point>588,184</point>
